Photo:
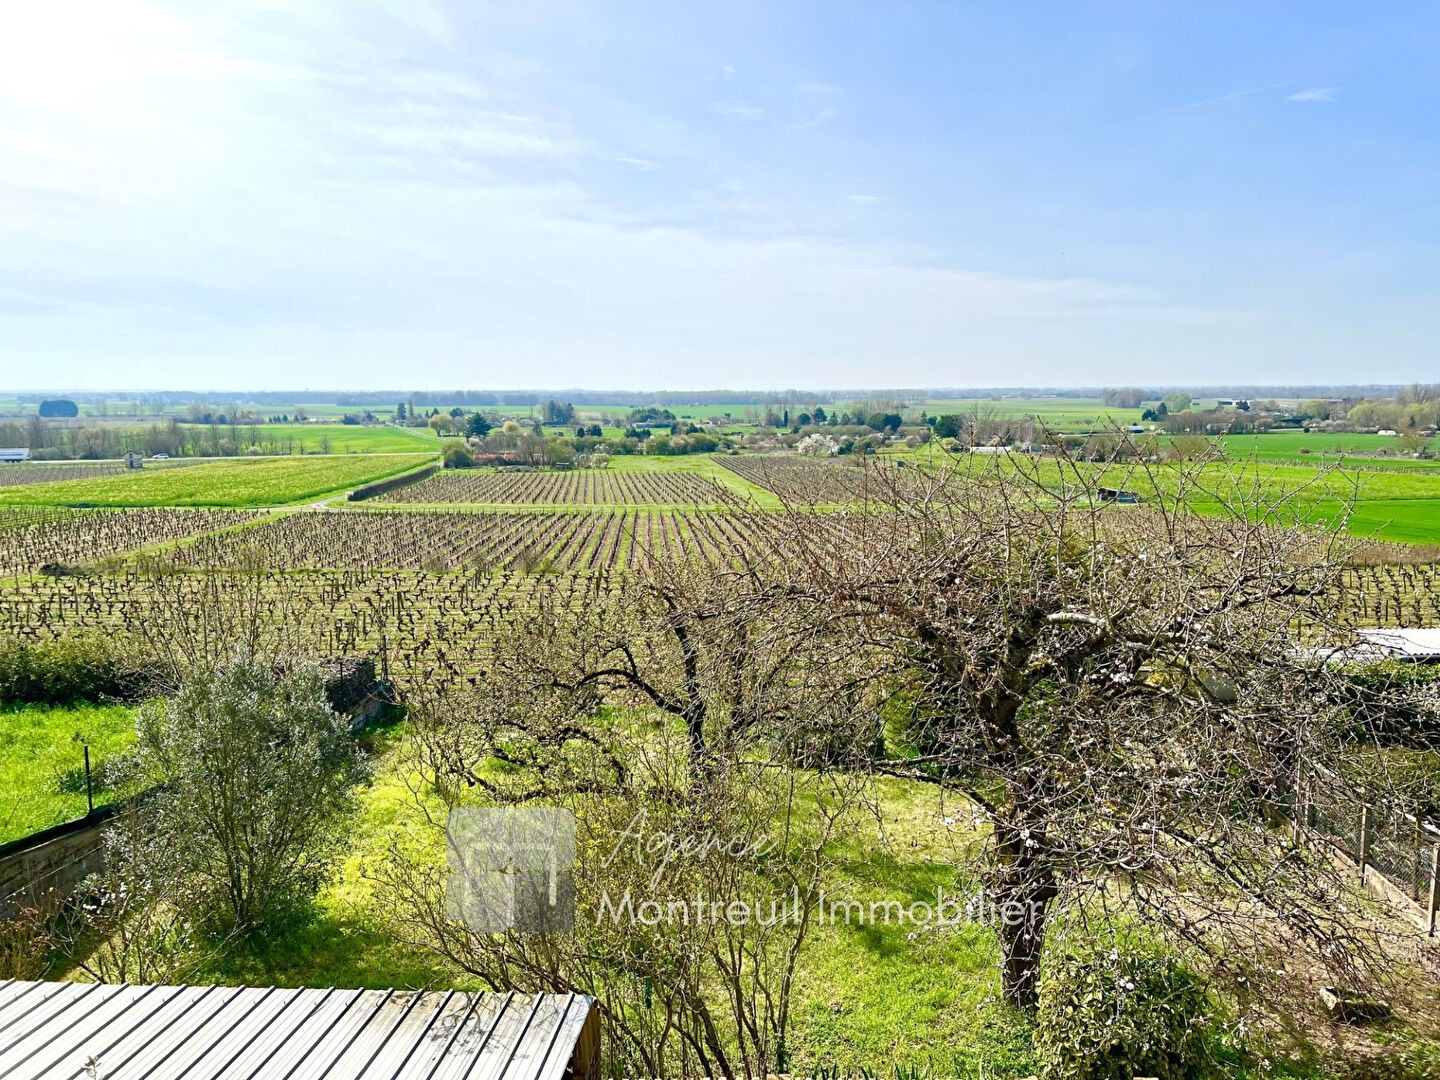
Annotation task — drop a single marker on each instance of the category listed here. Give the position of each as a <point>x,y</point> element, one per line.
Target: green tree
<point>1179,401</point>
<point>258,776</point>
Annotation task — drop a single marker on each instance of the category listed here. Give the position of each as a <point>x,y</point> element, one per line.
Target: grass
<point>867,996</point>
<point>225,482</point>
<point>329,438</point>
<point>1058,414</point>
<point>1314,449</point>
<point>42,762</point>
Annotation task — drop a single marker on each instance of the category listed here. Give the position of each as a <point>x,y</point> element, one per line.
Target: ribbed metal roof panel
<point>50,1031</point>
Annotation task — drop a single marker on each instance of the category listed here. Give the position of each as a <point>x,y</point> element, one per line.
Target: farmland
<point>1315,448</point>
<point>230,482</point>
<point>35,538</point>
<point>428,587</point>
<point>325,438</point>
<point>587,487</point>
<point>481,540</point>
<point>35,473</point>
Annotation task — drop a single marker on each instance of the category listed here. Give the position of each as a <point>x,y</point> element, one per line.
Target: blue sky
<point>688,195</point>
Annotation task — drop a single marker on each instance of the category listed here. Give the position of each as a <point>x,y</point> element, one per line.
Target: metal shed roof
<point>1421,643</point>
<point>54,1030</point>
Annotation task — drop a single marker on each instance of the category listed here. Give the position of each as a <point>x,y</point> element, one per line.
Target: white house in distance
<point>12,454</point>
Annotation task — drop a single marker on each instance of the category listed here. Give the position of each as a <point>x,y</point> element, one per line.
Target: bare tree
<point>660,715</point>
<point>1124,693</point>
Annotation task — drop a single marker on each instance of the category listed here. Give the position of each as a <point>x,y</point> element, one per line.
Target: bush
<point>458,457</point>
<point>69,671</point>
<point>259,778</point>
<point>1112,1015</point>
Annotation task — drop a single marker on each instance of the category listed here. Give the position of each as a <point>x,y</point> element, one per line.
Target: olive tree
<point>257,778</point>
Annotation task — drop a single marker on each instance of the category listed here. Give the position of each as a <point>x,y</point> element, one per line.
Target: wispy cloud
<point>817,88</point>
<point>824,116</point>
<point>643,164</point>
<point>1201,103</point>
<point>864,200</point>
<point>1317,93</point>
<point>738,112</point>
<point>727,71</point>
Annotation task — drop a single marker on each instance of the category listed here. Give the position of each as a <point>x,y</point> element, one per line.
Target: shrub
<point>259,779</point>
<point>457,457</point>
<point>1113,1015</point>
<point>70,670</point>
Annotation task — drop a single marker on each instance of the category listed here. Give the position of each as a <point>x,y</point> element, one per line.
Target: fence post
<point>89,788</point>
<point>1419,858</point>
<point>1364,839</point>
<point>1434,889</point>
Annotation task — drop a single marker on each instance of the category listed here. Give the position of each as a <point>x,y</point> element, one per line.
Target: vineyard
<point>439,541</point>
<point>18,475</point>
<point>36,537</point>
<point>580,487</point>
<point>805,481</point>
<point>1392,595</point>
<point>415,617</point>
<point>428,581</point>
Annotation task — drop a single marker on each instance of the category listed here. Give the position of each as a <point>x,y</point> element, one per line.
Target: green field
<point>42,762</point>
<point>1059,414</point>
<point>224,482</point>
<point>1302,447</point>
<point>328,438</point>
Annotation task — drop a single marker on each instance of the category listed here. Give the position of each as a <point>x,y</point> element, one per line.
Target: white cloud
<point>824,116</point>
<point>219,203</point>
<point>1316,94</point>
<point>738,112</point>
<point>817,88</point>
<point>864,200</point>
<point>727,72</point>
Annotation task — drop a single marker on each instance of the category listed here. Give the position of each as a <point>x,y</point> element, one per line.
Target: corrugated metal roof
<point>61,1030</point>
<point>1410,643</point>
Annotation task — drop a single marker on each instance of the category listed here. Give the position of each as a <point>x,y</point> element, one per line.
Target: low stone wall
<point>46,868</point>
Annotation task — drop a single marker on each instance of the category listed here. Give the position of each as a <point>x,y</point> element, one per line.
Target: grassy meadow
<point>867,996</point>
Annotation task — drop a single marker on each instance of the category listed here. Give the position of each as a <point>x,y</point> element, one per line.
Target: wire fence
<point>1379,838</point>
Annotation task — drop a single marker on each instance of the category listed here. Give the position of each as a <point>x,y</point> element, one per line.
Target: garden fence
<point>1379,838</point>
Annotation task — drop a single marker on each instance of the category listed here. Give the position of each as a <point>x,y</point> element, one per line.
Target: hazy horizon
<point>597,394</point>
<point>771,195</point>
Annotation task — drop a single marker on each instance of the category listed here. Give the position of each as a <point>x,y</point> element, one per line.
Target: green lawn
<point>42,762</point>
<point>868,996</point>
<point>224,482</point>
